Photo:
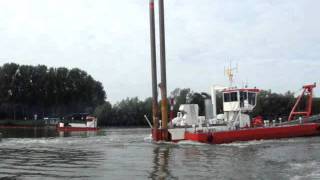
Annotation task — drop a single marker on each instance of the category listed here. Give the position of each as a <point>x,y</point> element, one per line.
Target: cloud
<point>275,43</point>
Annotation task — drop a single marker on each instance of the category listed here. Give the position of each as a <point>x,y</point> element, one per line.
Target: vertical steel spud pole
<point>163,85</point>
<point>155,117</point>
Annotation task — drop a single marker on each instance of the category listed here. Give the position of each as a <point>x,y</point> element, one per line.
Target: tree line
<point>131,111</point>
<point>27,90</point>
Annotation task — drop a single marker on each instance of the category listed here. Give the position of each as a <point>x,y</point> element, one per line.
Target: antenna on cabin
<point>246,84</point>
<point>230,72</point>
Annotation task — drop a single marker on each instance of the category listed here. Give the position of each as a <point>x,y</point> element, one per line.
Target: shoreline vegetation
<point>21,123</point>
<point>32,95</point>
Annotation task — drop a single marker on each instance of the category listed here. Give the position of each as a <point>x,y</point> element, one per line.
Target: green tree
<point>26,90</point>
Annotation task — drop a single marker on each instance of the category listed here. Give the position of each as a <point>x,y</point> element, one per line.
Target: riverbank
<point>21,123</point>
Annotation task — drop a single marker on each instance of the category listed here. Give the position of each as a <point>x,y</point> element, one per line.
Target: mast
<point>163,84</point>
<point>153,70</point>
<point>229,71</point>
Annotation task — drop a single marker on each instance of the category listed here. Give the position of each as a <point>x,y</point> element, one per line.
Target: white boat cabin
<point>236,104</point>
<point>239,99</point>
<point>89,122</point>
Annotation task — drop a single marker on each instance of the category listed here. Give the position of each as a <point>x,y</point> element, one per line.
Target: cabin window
<point>234,96</point>
<point>230,97</point>
<point>243,96</point>
<point>252,98</point>
<point>226,97</point>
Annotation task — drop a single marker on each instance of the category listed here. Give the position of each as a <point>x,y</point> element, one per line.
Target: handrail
<point>146,118</point>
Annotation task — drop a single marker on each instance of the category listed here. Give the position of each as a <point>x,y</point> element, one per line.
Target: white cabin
<point>236,104</point>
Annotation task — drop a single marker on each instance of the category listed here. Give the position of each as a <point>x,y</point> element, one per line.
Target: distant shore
<point>40,123</point>
<point>21,123</point>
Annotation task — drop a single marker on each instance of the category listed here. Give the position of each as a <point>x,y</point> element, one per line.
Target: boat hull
<point>301,130</point>
<point>77,129</point>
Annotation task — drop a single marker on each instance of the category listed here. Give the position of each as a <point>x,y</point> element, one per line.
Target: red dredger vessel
<point>235,124</point>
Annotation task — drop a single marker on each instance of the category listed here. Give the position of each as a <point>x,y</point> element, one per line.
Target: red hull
<point>310,129</point>
<point>76,129</point>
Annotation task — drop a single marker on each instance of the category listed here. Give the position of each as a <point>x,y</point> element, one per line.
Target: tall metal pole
<point>163,85</point>
<point>153,71</point>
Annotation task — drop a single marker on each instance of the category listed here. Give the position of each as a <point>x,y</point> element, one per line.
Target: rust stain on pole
<point>153,68</point>
<point>163,86</point>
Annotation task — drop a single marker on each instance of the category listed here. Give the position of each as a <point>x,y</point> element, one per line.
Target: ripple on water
<point>125,153</point>
<point>305,170</point>
<point>48,157</point>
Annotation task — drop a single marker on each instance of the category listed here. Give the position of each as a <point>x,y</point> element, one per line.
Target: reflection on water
<point>123,153</point>
<point>28,132</point>
<point>43,162</point>
<point>44,132</point>
<point>44,153</point>
<point>161,163</point>
<point>80,133</point>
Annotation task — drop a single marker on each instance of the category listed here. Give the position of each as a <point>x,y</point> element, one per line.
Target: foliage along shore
<point>131,111</point>
<point>26,91</point>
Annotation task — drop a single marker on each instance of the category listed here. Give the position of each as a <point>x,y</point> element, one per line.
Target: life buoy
<point>257,121</point>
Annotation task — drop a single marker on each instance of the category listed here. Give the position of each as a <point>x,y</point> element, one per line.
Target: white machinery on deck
<point>188,115</point>
<point>237,103</point>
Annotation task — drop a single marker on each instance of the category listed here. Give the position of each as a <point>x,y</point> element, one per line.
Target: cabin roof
<point>242,89</point>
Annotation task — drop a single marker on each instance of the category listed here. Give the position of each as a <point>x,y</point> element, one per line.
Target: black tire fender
<point>210,137</point>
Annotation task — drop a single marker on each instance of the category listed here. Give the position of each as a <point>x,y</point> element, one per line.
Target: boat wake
<point>245,144</point>
<point>148,139</point>
<point>301,168</point>
<point>187,142</point>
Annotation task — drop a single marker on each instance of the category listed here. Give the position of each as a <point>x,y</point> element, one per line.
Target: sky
<point>275,43</point>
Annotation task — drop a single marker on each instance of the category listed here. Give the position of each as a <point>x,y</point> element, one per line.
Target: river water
<point>128,154</point>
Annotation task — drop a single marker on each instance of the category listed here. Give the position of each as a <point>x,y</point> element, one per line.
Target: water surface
<point>128,154</point>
